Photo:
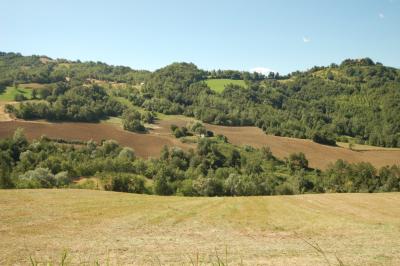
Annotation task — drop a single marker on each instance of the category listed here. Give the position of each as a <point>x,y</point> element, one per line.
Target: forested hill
<point>357,100</point>
<point>41,69</point>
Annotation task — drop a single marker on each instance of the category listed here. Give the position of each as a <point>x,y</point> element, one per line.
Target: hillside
<point>356,101</point>
<point>351,104</point>
<point>357,229</point>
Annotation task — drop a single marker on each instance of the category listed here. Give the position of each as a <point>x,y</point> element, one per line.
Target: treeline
<point>82,103</point>
<point>241,75</point>
<point>215,168</point>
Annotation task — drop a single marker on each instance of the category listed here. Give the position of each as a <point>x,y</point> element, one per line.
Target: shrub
<point>134,125</point>
<point>38,178</point>
<point>19,97</point>
<point>127,183</point>
<point>297,161</point>
<point>324,138</point>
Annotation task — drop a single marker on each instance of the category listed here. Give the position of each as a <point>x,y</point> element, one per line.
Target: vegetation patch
<point>14,93</point>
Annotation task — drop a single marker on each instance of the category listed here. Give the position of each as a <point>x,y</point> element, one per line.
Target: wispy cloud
<point>261,70</point>
<point>306,39</point>
<point>381,15</point>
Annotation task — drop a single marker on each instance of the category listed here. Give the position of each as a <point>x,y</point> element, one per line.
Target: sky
<point>283,36</point>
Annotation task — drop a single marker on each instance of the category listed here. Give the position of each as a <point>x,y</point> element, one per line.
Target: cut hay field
<point>218,85</point>
<point>120,229</point>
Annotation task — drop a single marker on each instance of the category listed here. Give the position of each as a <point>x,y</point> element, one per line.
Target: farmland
<point>218,85</point>
<point>150,144</point>
<point>145,145</point>
<point>358,229</point>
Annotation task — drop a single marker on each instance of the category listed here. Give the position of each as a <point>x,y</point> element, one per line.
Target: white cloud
<point>306,39</point>
<point>381,15</point>
<point>261,70</point>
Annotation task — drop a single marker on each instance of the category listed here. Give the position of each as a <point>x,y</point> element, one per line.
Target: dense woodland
<point>356,101</point>
<point>215,168</point>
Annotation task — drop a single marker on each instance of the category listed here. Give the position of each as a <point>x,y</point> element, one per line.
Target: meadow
<point>122,228</point>
<point>10,92</point>
<point>218,85</point>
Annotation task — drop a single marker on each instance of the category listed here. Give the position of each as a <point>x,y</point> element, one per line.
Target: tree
<point>19,97</point>
<point>34,93</point>
<point>297,161</point>
<point>38,178</point>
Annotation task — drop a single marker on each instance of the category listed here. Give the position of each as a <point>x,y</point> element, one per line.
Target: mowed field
<point>127,229</point>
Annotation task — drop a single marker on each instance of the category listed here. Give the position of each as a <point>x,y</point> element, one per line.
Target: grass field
<point>9,93</point>
<point>119,228</point>
<point>218,85</point>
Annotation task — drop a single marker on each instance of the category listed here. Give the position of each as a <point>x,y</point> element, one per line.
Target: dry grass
<point>361,147</point>
<point>360,229</point>
<point>3,115</point>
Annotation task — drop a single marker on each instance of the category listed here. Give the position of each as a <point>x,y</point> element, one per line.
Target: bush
<point>38,178</point>
<point>134,126</point>
<point>127,183</point>
<point>297,161</point>
<point>323,138</point>
<point>19,97</point>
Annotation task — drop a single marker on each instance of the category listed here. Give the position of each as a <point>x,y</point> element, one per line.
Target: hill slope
<point>127,228</point>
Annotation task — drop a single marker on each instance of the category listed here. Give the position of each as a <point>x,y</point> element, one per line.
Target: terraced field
<point>121,229</point>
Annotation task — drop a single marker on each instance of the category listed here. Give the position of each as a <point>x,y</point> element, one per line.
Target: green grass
<point>218,85</point>
<point>9,93</point>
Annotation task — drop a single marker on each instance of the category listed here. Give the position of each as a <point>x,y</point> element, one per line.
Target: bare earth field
<point>127,229</point>
<point>147,145</point>
<point>319,156</point>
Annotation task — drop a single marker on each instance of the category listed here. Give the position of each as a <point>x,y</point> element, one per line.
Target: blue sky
<point>284,36</point>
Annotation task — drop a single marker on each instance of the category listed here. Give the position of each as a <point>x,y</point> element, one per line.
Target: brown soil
<point>319,156</point>
<point>145,145</point>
